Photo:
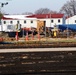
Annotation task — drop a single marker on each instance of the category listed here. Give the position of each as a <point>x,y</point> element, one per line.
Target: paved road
<point>37,50</point>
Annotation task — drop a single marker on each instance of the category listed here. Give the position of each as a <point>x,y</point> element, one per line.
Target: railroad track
<point>38,63</point>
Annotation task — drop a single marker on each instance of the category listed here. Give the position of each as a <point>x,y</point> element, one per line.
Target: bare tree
<point>69,8</point>
<point>27,13</point>
<point>1,15</point>
<point>44,11</point>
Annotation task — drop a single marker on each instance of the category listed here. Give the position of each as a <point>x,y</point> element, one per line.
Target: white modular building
<point>9,22</point>
<point>49,19</point>
<point>71,20</point>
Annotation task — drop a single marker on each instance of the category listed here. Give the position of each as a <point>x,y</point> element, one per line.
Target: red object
<point>16,36</point>
<point>27,36</point>
<point>39,16</point>
<point>27,29</point>
<point>38,36</point>
<point>1,39</point>
<point>6,18</point>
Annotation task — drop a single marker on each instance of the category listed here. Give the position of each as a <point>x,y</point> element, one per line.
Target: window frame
<point>18,22</point>
<point>75,21</point>
<point>31,21</point>
<point>4,22</point>
<point>59,21</point>
<point>25,22</point>
<point>52,21</point>
<point>11,22</point>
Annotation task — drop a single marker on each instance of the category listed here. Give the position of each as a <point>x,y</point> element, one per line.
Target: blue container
<point>71,27</point>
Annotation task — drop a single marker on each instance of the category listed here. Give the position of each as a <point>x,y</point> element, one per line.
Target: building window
<point>18,22</point>
<point>11,22</point>
<point>9,27</point>
<point>31,21</point>
<point>25,21</point>
<point>4,22</point>
<point>75,21</point>
<point>52,21</point>
<point>58,21</point>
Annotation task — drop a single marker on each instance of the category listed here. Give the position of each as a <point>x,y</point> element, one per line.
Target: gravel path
<point>37,50</point>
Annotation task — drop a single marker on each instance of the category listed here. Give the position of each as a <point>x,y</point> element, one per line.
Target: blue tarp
<point>71,27</point>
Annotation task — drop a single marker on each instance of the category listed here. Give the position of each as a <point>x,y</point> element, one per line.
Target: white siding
<point>55,21</point>
<point>28,23</point>
<point>0,28</point>
<point>71,20</point>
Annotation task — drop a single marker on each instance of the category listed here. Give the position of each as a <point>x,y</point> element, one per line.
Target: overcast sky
<point>21,6</point>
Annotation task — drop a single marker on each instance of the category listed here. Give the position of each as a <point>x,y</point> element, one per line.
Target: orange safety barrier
<point>38,36</point>
<point>27,29</point>
<point>27,36</point>
<point>17,36</point>
<point>1,39</point>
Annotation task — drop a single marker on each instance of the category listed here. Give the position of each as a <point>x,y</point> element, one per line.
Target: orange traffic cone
<point>38,36</point>
<point>27,36</point>
<point>16,36</point>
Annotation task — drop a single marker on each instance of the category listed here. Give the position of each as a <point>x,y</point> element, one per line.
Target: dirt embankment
<point>37,45</point>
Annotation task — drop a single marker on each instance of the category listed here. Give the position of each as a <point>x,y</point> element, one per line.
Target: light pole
<point>1,15</point>
<point>2,5</point>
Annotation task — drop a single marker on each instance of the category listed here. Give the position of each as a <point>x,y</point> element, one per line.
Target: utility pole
<point>68,28</point>
<point>45,25</point>
<point>50,25</point>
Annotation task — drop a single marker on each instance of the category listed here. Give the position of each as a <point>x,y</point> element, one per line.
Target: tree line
<point>69,8</point>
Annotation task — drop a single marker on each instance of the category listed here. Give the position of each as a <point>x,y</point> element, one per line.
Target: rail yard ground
<point>41,43</point>
<point>40,61</point>
<point>38,57</point>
